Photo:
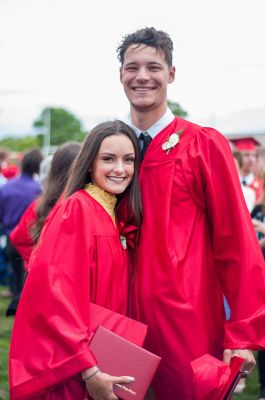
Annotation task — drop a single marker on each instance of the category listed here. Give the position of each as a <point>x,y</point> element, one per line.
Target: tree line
<point>60,125</point>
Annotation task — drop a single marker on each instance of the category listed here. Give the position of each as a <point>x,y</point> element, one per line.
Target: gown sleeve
<point>50,337</point>
<point>236,252</point>
<point>21,237</point>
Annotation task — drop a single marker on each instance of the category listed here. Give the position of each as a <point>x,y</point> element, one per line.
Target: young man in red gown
<point>197,241</point>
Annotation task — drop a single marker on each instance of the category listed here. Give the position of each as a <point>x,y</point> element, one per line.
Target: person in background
<point>45,166</point>
<point>248,169</point>
<point>79,258</point>
<point>258,219</point>
<point>15,196</point>
<point>197,241</point>
<point>10,163</point>
<point>4,267</point>
<point>26,234</point>
<point>250,198</point>
<point>3,158</point>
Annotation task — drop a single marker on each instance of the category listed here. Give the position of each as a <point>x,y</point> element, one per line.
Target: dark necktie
<point>146,139</point>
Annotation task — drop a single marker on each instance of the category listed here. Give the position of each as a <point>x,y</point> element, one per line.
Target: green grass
<point>252,389</point>
<point>251,392</point>
<point>5,331</point>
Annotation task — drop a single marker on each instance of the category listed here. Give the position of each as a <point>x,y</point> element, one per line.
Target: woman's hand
<point>100,385</point>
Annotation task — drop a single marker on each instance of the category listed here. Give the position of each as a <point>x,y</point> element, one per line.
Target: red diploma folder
<point>119,357</point>
<point>128,328</point>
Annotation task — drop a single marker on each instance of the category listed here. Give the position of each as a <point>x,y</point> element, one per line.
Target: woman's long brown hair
<point>80,175</point>
<point>61,163</point>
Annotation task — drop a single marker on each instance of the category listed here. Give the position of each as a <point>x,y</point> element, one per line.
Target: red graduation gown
<point>21,237</point>
<point>79,258</point>
<point>197,242</point>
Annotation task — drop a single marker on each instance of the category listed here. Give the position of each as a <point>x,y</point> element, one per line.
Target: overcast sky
<point>63,53</point>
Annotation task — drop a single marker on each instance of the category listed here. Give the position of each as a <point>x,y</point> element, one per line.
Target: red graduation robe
<point>79,258</point>
<point>197,243</point>
<point>21,237</point>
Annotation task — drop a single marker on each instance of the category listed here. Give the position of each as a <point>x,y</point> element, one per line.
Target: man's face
<point>249,161</point>
<point>145,76</point>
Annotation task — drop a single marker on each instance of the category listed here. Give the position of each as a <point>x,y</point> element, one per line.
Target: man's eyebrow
<point>154,62</point>
<point>130,63</point>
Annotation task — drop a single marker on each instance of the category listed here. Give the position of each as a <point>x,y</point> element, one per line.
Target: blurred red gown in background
<point>21,236</point>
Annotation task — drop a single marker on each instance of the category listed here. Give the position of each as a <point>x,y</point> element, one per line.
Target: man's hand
<point>259,226</point>
<point>243,353</point>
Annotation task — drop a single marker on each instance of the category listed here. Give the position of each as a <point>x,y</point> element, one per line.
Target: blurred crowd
<point>249,158</point>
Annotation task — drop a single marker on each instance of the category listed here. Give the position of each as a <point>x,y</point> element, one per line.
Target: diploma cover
<point>236,367</point>
<point>128,328</point>
<point>118,357</point>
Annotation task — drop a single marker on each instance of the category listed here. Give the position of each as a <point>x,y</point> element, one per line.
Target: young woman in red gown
<point>79,259</point>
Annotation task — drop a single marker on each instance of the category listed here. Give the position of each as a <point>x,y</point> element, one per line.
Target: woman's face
<point>113,167</point>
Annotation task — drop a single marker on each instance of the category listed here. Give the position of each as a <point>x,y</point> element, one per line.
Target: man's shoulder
<point>196,128</point>
<point>193,130</point>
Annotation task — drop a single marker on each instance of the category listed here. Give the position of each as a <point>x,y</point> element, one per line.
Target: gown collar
<point>105,199</point>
